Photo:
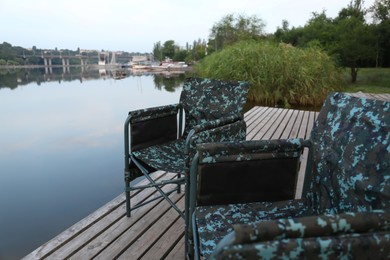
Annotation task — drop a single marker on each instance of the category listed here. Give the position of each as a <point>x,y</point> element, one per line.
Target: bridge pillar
<point>47,61</point>
<point>65,62</point>
<point>48,70</point>
<point>83,62</point>
<point>65,65</point>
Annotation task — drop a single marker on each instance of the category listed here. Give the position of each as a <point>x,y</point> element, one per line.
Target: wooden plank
<point>379,96</point>
<point>304,125</point>
<point>106,232</point>
<point>383,97</point>
<point>177,252</point>
<point>167,242</point>
<point>297,125</point>
<point>266,124</point>
<point>302,170</point>
<point>69,234</point>
<point>252,112</point>
<point>252,126</point>
<point>291,122</point>
<point>274,126</point>
<point>278,133</point>
<point>249,119</point>
<point>123,240</point>
<point>149,238</point>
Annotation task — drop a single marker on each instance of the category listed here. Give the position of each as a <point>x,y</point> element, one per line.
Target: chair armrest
<point>216,123</point>
<point>151,126</point>
<point>250,150</point>
<point>343,226</point>
<point>153,113</point>
<point>232,128</point>
<point>313,226</point>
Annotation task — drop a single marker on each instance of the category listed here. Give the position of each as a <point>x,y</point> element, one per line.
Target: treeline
<point>15,55</point>
<point>357,37</point>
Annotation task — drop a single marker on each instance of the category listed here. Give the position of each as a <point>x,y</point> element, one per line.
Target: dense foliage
<point>229,30</point>
<point>357,37</point>
<point>279,74</point>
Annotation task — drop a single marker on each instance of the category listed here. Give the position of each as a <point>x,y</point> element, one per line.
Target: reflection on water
<point>61,154</point>
<point>12,78</point>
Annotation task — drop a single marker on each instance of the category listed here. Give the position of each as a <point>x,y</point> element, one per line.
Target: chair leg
<point>195,240</point>
<point>178,185</point>
<point>189,252</point>
<point>127,192</point>
<point>145,173</point>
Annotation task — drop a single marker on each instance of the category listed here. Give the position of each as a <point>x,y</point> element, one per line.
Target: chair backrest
<point>351,160</point>
<point>209,99</point>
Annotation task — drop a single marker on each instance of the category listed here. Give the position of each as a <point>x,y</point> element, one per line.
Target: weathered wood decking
<point>155,231</point>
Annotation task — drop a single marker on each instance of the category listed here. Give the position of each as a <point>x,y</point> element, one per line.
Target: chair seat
<point>215,222</point>
<point>168,156</point>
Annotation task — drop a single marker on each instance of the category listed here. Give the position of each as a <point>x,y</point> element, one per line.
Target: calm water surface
<point>61,150</point>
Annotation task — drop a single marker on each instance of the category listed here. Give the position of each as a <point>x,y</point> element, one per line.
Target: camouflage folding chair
<point>164,138</point>
<point>344,210</point>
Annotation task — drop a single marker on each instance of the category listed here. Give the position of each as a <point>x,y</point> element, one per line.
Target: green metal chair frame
<point>164,138</point>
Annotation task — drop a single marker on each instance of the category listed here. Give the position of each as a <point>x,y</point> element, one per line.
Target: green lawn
<point>369,80</point>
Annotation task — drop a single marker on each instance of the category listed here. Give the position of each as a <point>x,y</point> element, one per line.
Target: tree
<point>381,16</point>
<point>180,55</point>
<point>294,36</point>
<point>199,49</point>
<point>353,38</point>
<point>169,49</point>
<point>234,28</point>
<point>320,28</point>
<point>158,51</point>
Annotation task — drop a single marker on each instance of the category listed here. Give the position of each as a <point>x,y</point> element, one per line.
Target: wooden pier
<point>156,231</point>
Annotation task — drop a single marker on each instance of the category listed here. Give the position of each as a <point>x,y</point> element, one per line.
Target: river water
<point>61,146</point>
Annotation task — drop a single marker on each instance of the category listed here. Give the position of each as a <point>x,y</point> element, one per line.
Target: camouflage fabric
<point>313,226</point>
<point>153,113</point>
<point>172,157</point>
<point>351,168</point>
<point>215,222</point>
<point>213,111</point>
<point>350,246</point>
<point>250,150</point>
<point>347,235</point>
<point>350,173</point>
<point>209,99</point>
<point>158,156</point>
<point>224,132</point>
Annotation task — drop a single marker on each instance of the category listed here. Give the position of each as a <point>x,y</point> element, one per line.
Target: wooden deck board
<point>137,223</point>
<point>151,236</point>
<point>155,231</point>
<point>167,242</point>
<point>177,251</point>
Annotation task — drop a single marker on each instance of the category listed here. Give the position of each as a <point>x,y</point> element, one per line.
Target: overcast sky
<point>135,25</point>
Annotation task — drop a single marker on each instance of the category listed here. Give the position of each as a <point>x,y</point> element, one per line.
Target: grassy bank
<point>370,80</point>
<point>279,74</point>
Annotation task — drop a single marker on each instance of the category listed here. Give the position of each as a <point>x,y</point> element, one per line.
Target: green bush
<point>279,74</point>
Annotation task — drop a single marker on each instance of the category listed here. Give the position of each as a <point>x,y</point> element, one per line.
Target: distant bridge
<point>104,58</point>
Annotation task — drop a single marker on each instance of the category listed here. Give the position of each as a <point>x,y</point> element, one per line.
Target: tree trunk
<point>354,72</point>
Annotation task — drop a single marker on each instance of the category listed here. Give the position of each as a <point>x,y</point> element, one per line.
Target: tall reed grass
<point>279,74</point>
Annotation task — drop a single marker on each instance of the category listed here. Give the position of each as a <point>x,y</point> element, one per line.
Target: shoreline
<point>59,66</point>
